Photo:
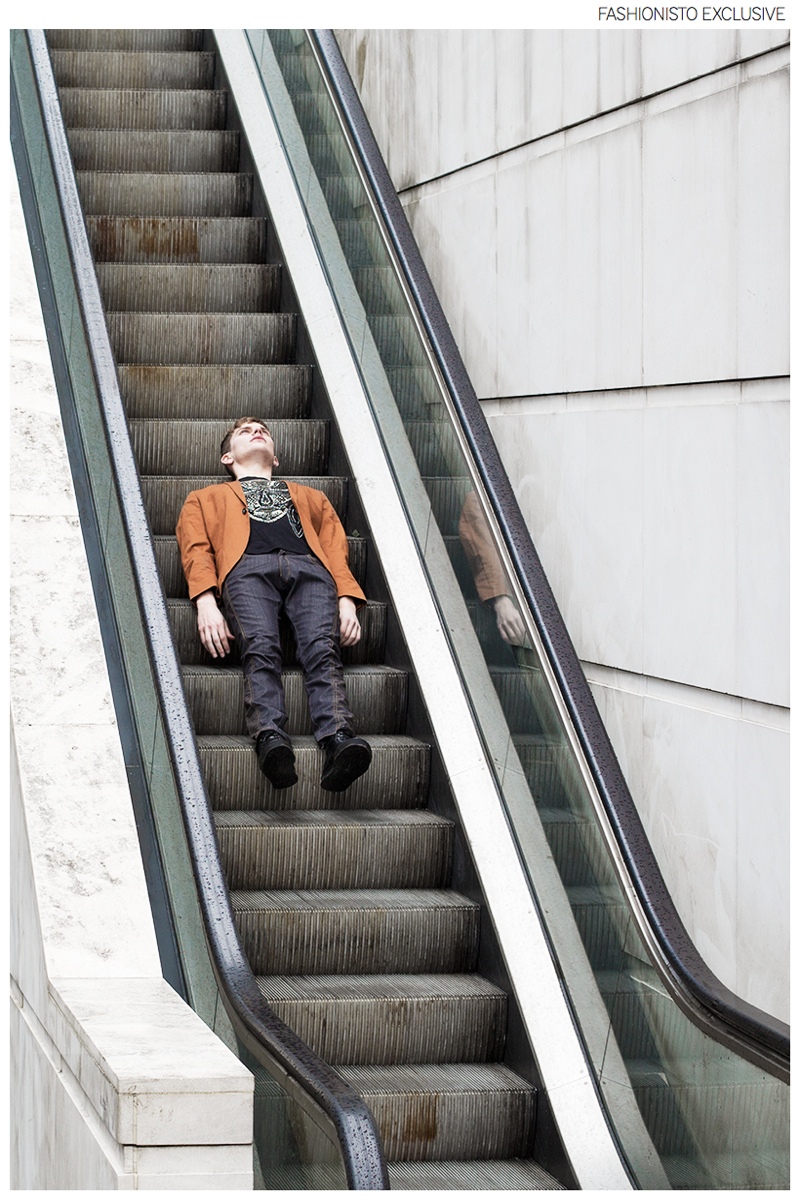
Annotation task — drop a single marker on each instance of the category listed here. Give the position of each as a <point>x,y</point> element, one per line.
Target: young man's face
<point>250,440</point>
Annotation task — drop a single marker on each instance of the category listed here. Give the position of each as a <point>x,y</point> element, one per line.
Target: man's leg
<point>312,606</point>
<point>252,601</point>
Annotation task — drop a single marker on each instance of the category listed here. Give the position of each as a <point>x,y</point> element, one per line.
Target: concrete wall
<point>623,312</point>
<point>116,1083</point>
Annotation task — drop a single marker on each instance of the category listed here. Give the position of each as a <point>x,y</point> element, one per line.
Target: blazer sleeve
<point>197,554</point>
<point>484,561</point>
<point>333,542</point>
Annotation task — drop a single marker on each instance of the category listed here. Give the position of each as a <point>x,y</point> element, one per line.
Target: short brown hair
<point>225,444</point>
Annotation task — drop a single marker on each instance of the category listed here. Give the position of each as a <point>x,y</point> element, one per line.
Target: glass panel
<point>715,1120</point>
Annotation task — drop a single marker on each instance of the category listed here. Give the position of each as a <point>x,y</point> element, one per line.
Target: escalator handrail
<point>253,1020</point>
<point>758,1035</point>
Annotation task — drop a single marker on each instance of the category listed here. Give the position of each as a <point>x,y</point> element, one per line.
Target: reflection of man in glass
<point>491,581</point>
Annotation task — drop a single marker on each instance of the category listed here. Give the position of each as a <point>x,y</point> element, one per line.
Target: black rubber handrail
<point>253,1020</point>
<point>757,1035</point>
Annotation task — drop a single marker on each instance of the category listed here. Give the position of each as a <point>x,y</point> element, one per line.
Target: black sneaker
<point>346,757</point>
<point>276,759</point>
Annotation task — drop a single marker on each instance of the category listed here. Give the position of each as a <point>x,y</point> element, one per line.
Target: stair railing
<point>317,1131</point>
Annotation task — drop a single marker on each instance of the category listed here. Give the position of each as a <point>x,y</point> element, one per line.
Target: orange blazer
<point>213,530</point>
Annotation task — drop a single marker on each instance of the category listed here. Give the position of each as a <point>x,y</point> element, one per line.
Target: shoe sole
<point>278,766</point>
<point>350,763</point>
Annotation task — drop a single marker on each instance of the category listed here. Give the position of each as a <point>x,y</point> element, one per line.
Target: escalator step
<point>447,496</point>
<point>524,697</point>
<point>200,338</point>
<point>162,447</point>
<point>397,777</point>
<point>186,150</point>
<point>183,619</point>
<point>370,848</point>
<point>448,1111</point>
<point>577,847</point>
<point>177,239</point>
<point>602,919</point>
<point>142,108</point>
<point>383,931</point>
<point>189,287</point>
<point>509,1175</point>
<point>125,39</point>
<point>547,762</point>
<point>147,194</point>
<point>390,1019</point>
<point>215,390</point>
<point>133,68</point>
<point>376,695</point>
<point>164,494</point>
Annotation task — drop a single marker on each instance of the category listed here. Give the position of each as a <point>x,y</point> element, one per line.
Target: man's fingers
<point>216,639</point>
<point>349,632</point>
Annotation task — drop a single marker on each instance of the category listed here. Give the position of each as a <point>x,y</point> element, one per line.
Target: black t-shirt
<point>274,522</point>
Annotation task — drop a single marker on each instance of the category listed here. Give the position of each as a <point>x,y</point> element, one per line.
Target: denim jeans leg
<point>252,602</point>
<point>312,607</point>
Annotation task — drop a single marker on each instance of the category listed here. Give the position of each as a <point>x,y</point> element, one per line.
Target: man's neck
<point>253,472</point>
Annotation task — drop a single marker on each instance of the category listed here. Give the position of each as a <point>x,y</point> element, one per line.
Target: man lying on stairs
<point>262,547</point>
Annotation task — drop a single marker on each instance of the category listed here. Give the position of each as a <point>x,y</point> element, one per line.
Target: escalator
<point>367,918</point>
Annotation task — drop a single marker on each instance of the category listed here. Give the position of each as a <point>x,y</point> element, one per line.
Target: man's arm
<point>349,624</point>
<point>333,540</point>
<point>212,626</point>
<point>200,568</point>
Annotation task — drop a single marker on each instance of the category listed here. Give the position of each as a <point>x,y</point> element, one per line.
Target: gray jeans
<point>256,591</point>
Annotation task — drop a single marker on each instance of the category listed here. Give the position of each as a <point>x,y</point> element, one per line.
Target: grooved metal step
<point>447,496</point>
<point>224,390</point>
<point>390,1019</point>
<point>369,848</point>
<point>174,581</point>
<point>415,391</point>
<point>602,919</point>
<point>112,108</point>
<point>142,108</point>
<point>177,239</point>
<point>521,693</point>
<point>577,848</point>
<point>148,194</point>
<point>164,494</point>
<point>189,288</point>
<point>162,447</point>
<point>200,338</point>
<point>382,931</point>
<point>183,619</point>
<point>187,150</point>
<point>398,776</point>
<point>549,769</point>
<point>125,39</point>
<point>448,1111</point>
<point>377,697</point>
<point>133,68</point>
<point>510,1175</point>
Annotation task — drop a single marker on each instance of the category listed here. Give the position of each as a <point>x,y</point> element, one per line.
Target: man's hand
<point>349,627</point>
<point>509,622</point>
<point>212,626</point>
